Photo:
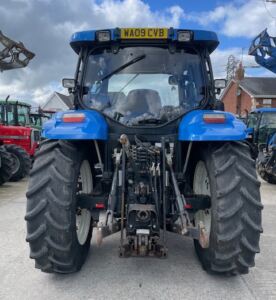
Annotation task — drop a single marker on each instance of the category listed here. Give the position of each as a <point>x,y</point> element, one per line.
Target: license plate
<point>144,33</point>
<point>143,231</point>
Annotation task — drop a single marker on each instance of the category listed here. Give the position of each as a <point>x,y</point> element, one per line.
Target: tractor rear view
<point>144,153</point>
<point>17,142</point>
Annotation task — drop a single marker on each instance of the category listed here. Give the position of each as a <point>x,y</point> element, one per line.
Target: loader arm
<point>13,55</point>
<point>263,47</point>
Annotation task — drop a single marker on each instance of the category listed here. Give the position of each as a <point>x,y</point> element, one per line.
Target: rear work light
<point>184,36</point>
<point>214,118</point>
<point>73,118</point>
<point>103,36</point>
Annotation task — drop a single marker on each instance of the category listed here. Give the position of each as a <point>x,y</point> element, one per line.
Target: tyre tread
<point>53,245</point>
<point>233,247</point>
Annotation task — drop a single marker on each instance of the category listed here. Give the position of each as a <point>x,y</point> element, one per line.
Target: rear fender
<point>193,128</point>
<point>93,127</point>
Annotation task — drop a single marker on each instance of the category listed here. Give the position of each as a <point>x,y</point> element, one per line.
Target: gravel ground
<point>106,276</point>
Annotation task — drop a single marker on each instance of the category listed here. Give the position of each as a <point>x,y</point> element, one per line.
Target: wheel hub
<point>16,163</point>
<point>202,187</point>
<point>83,216</point>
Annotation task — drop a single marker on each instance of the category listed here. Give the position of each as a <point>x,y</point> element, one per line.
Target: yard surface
<point>106,276</point>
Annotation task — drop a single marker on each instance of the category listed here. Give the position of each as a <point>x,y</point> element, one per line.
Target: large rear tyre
<point>58,231</point>
<point>227,174</point>
<point>6,165</point>
<point>22,162</point>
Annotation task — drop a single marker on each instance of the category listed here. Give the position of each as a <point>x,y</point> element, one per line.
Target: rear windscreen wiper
<point>131,62</point>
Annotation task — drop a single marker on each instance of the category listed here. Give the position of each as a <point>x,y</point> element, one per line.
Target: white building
<point>58,102</point>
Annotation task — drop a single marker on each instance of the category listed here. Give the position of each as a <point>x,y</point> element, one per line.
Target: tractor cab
<point>261,125</point>
<point>37,119</point>
<point>143,76</point>
<point>15,113</point>
<point>15,126</point>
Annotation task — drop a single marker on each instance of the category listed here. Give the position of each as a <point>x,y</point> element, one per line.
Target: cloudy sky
<point>45,27</point>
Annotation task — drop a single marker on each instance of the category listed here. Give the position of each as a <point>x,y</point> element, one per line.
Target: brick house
<point>243,94</point>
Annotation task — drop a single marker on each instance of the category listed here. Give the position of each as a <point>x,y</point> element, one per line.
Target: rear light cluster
<point>73,118</point>
<point>188,206</point>
<point>100,205</point>
<point>214,118</point>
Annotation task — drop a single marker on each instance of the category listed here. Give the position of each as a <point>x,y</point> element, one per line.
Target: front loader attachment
<point>263,48</point>
<point>13,55</point>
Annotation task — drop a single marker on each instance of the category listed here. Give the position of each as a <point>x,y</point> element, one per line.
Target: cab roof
<point>201,38</point>
<point>14,102</point>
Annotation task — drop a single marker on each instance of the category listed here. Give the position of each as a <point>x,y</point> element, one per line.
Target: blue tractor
<point>262,133</point>
<point>262,122</point>
<point>146,150</point>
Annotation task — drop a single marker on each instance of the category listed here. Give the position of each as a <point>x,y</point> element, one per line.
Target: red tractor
<point>17,135</point>
<point>17,140</point>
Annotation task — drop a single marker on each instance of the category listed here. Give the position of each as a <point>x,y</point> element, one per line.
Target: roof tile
<point>259,86</point>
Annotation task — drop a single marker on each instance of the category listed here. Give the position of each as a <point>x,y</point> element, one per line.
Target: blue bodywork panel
<point>94,127</point>
<point>206,39</point>
<point>193,128</point>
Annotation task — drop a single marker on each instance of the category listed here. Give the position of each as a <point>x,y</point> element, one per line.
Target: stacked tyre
<point>15,163</point>
<point>6,165</point>
<point>21,162</point>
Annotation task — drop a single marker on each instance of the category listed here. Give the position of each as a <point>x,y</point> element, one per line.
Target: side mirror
<point>250,133</point>
<point>69,83</point>
<point>220,84</point>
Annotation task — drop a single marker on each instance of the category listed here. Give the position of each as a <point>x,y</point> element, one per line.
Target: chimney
<point>238,77</point>
<point>239,72</point>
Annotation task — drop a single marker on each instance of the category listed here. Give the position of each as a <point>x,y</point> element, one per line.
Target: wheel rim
<point>16,163</point>
<point>201,186</point>
<point>83,216</point>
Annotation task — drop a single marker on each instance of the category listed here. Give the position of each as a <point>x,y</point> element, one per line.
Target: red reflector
<point>214,118</point>
<point>73,118</point>
<point>100,205</point>
<point>188,206</point>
